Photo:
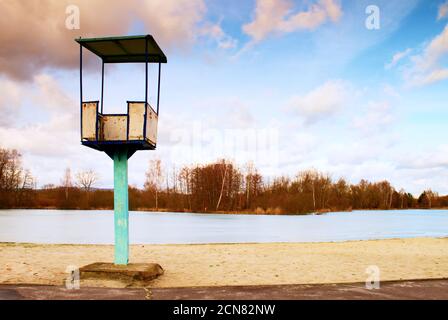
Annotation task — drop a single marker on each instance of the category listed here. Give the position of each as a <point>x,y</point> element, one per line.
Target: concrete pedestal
<point>133,274</point>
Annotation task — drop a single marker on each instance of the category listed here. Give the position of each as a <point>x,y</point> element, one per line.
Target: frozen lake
<point>96,227</point>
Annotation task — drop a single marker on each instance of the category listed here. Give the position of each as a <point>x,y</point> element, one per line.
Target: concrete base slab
<point>130,275</point>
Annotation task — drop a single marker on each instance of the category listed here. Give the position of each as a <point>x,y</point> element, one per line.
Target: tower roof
<point>124,49</point>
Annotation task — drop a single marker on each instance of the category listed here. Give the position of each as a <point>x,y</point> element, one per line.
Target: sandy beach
<point>238,264</point>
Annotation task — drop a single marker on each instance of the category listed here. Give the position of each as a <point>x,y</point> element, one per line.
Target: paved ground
<point>419,289</point>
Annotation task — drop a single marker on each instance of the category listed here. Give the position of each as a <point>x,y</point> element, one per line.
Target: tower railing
<point>139,124</point>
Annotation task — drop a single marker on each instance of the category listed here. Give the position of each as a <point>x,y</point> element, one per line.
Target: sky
<point>339,86</point>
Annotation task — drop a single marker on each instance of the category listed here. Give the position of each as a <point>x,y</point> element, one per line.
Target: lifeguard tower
<point>121,135</point>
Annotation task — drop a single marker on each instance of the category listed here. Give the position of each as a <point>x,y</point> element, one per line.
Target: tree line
<point>221,186</point>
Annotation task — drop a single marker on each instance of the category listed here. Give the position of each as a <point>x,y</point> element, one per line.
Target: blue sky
<point>289,85</point>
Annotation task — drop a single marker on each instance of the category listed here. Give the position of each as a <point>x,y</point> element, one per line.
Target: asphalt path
<point>397,290</point>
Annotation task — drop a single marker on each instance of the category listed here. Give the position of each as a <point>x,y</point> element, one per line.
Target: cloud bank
<point>322,101</point>
<point>275,16</point>
<point>34,34</point>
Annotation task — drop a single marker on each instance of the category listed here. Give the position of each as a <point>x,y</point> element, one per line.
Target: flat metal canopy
<point>125,49</point>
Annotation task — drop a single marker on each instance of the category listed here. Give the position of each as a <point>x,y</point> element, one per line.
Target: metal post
<point>146,72</point>
<point>158,90</point>
<point>102,86</point>
<point>80,85</point>
<point>146,88</point>
<point>121,213</point>
<point>80,72</point>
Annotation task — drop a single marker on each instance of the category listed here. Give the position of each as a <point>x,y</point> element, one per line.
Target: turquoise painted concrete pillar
<point>121,213</point>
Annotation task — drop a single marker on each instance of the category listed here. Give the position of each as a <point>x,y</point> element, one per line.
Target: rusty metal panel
<point>114,127</point>
<point>151,126</point>
<point>136,120</point>
<point>89,110</point>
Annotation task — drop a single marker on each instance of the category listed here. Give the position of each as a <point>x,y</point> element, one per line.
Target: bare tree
<point>67,181</point>
<point>26,184</point>
<point>402,194</point>
<point>252,184</point>
<point>87,179</point>
<point>431,195</point>
<point>174,177</point>
<point>154,178</point>
<point>249,173</point>
<point>222,184</point>
<point>15,182</point>
<point>11,170</point>
<point>185,183</point>
<point>307,183</point>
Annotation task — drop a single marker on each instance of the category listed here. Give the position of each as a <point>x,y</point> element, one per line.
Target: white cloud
<point>438,158</point>
<point>229,129</point>
<point>49,139</point>
<point>10,101</point>
<point>432,53</point>
<point>391,91</point>
<point>174,22</point>
<point>51,96</point>
<point>39,30</point>
<point>443,11</point>
<point>425,169</point>
<point>397,57</point>
<point>426,68</point>
<point>375,118</point>
<point>322,101</point>
<point>215,32</point>
<point>47,135</point>
<point>274,16</point>
<point>428,78</point>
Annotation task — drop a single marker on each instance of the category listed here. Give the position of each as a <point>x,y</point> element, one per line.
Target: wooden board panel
<point>136,120</point>
<point>89,110</point>
<point>114,127</point>
<point>151,126</point>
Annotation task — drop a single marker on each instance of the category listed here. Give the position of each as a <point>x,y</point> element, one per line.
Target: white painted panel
<point>89,120</point>
<point>136,120</point>
<point>151,126</point>
<point>113,127</point>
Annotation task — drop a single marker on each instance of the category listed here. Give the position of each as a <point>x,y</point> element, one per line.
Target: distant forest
<point>215,187</point>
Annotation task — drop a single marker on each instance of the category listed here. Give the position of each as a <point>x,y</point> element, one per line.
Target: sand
<point>238,264</point>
